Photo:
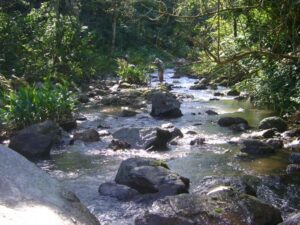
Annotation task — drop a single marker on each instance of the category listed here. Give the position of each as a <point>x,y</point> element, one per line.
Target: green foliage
<point>131,73</point>
<point>277,86</point>
<point>30,105</point>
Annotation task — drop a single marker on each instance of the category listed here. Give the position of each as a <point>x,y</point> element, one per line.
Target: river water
<point>83,167</point>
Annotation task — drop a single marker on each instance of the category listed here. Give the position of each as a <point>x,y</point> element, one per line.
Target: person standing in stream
<point>160,66</point>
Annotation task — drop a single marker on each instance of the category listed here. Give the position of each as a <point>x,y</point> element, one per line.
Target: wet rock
<point>256,147</point>
<point>30,196</point>
<point>244,184</point>
<point>211,112</point>
<point>295,158</point>
<point>291,133</point>
<point>156,219</point>
<point>222,206</point>
<point>273,122</point>
<point>229,121</point>
<point>275,143</point>
<point>83,98</point>
<point>89,135</point>
<point>175,132</point>
<point>31,145</point>
<point>165,106</point>
<point>233,92</point>
<point>217,94</point>
<point>199,87</point>
<point>145,138</point>
<point>293,220</point>
<point>234,123</point>
<point>293,169</point>
<point>214,99</point>
<point>36,140</point>
<point>151,176</point>
<point>197,141</point>
<point>119,145</point>
<point>114,100</point>
<point>119,191</point>
<point>191,132</point>
<point>204,81</point>
<point>268,133</point>
<point>69,125</point>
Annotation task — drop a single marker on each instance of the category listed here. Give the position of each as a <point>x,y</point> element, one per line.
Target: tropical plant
<point>32,104</point>
<point>131,73</point>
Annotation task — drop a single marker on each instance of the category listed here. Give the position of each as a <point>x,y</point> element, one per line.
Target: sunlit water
<point>83,167</point>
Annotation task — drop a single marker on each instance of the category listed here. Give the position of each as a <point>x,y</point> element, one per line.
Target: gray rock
<point>273,122</point>
<point>68,125</point>
<point>165,106</point>
<point>217,94</point>
<point>31,145</point>
<point>239,127</point>
<point>119,145</point>
<point>145,138</point>
<point>211,112</point>
<point>221,206</point>
<point>191,132</point>
<point>229,121</point>
<point>268,133</point>
<point>295,158</point>
<point>36,140</point>
<point>275,143</point>
<point>151,176</point>
<point>27,191</point>
<point>292,133</point>
<point>293,220</point>
<point>89,135</point>
<point>293,169</point>
<point>119,191</point>
<point>233,92</point>
<point>199,87</point>
<point>256,147</point>
<point>197,141</point>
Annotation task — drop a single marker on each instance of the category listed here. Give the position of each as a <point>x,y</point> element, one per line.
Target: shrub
<point>32,104</point>
<point>130,73</point>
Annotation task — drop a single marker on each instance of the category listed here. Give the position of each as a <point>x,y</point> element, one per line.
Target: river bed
<point>83,167</point>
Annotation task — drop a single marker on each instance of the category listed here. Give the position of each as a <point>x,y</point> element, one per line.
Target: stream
<point>84,166</point>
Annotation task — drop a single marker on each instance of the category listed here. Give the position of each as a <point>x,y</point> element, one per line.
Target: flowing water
<point>83,167</point>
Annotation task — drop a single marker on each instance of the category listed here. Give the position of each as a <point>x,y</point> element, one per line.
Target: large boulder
<point>145,138</point>
<point>229,121</point>
<point>151,176</point>
<point>256,147</point>
<point>165,105</point>
<point>220,206</point>
<point>36,140</point>
<point>31,145</point>
<point>273,122</point>
<point>293,220</point>
<point>29,195</point>
<point>234,123</point>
